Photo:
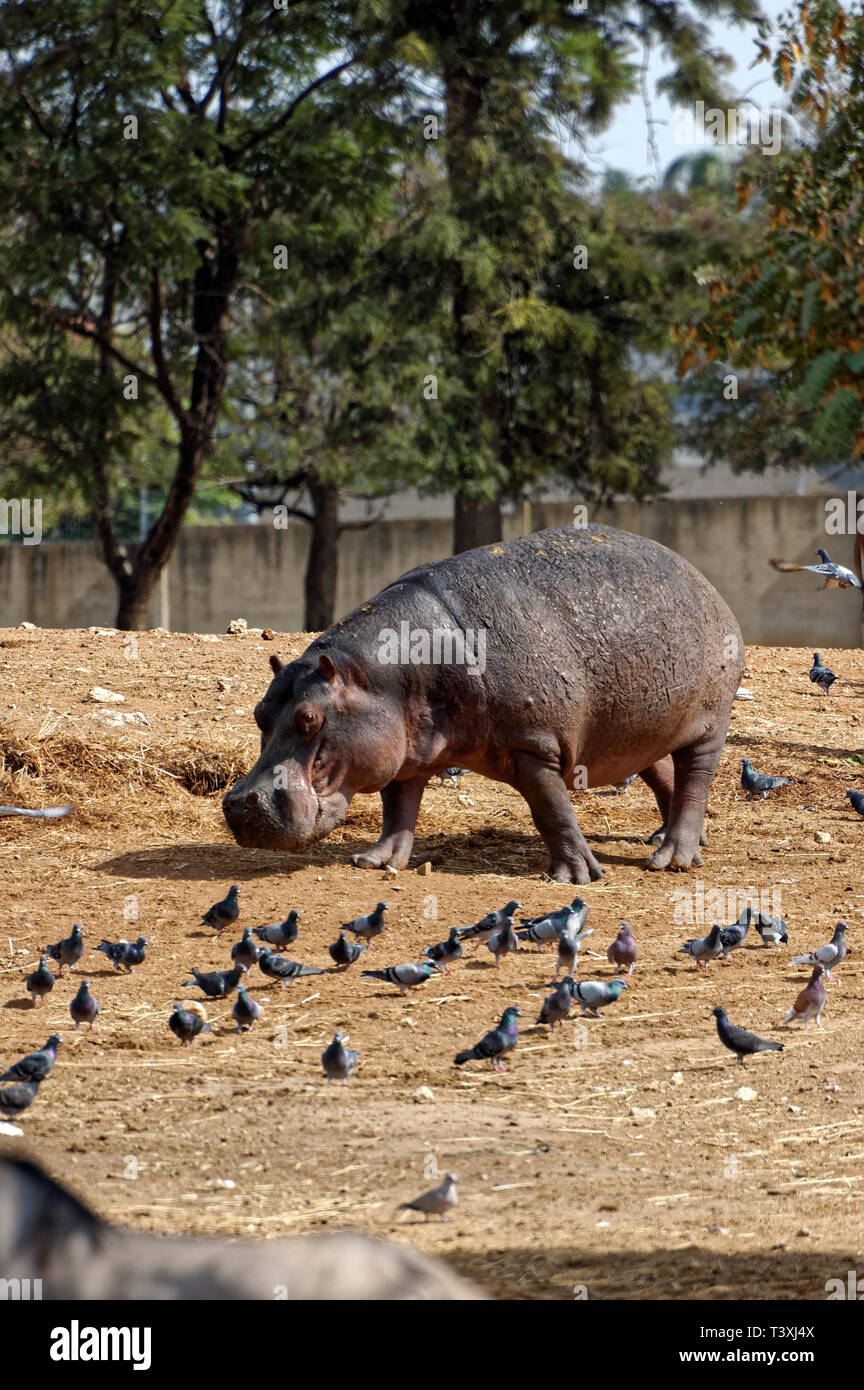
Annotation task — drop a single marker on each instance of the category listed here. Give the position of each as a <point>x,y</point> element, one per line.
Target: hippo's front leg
<point>401,803</point>
<point>544,790</point>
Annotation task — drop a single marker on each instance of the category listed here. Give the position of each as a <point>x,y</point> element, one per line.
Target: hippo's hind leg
<point>543,788</point>
<point>401,803</point>
<point>660,777</point>
<point>695,766</point>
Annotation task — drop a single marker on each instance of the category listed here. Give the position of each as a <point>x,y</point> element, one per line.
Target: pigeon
<point>756,784</point>
<point>835,576</point>
<point>496,1044</point>
<point>595,994</point>
<point>186,1025</point>
<point>857,801</point>
<point>41,982</point>
<point>370,926</point>
<point>486,928</point>
<point>245,1010</point>
<point>244,951</point>
<point>502,943</point>
<point>223,913</point>
<point>344,952</point>
<point>445,952</point>
<point>404,976</point>
<point>739,1041</point>
<point>544,931</point>
<point>623,952</point>
<point>568,950</point>
<point>820,675</point>
<point>577,905</point>
<point>437,1202</point>
<point>83,1007</point>
<point>126,953</point>
<point>771,929</point>
<point>216,984</point>
<point>557,1005</point>
<point>704,949</point>
<point>36,1065</point>
<point>338,1060</point>
<point>15,1099</point>
<point>621,787</point>
<point>280,934</point>
<point>829,956</point>
<point>281,968</point>
<point>451,775</point>
<point>734,936</point>
<point>47,812</point>
<point>68,951</point>
<point>811,1001</point>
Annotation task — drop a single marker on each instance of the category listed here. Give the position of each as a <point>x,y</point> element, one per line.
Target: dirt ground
<point>614,1159</point>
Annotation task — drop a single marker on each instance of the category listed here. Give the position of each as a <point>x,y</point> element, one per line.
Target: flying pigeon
<point>338,1060</point>
<point>223,913</point>
<point>46,813</point>
<point>734,936</point>
<point>281,968</point>
<point>445,952</point>
<point>437,1202</point>
<point>68,951</point>
<point>561,913</point>
<point>15,1099</point>
<point>83,1007</point>
<point>404,976</point>
<point>41,982</point>
<point>621,787</point>
<point>280,934</point>
<point>557,1005</point>
<point>820,675</point>
<point>595,994</point>
<point>857,800</point>
<point>216,984</point>
<point>186,1025</point>
<point>244,951</point>
<point>835,576</point>
<point>126,953</point>
<point>502,943</point>
<point>739,1041</point>
<point>829,956</point>
<point>757,784</point>
<point>344,952</point>
<point>545,930</point>
<point>811,1001</point>
<point>490,924</point>
<point>704,949</point>
<point>245,1010</point>
<point>36,1065</point>
<point>496,1044</point>
<point>451,775</point>
<point>771,929</point>
<point>568,950</point>
<point>370,926</point>
<point>623,952</point>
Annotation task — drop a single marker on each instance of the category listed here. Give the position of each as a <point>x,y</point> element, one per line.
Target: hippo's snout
<point>261,817</point>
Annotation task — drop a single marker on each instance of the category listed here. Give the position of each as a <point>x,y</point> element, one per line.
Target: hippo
<point>574,657</point>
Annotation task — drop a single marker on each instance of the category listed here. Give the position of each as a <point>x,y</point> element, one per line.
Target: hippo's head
<point>324,736</point>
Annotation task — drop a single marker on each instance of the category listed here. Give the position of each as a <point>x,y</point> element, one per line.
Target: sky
<point>625,144</point>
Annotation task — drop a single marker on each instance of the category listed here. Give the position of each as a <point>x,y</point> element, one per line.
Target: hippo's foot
<point>676,852</point>
<point>394,850</point>
<point>575,868</point>
<point>660,834</point>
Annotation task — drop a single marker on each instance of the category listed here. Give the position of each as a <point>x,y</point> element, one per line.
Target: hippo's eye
<point>307,720</point>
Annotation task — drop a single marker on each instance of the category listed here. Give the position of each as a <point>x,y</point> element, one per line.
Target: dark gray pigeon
<point>835,576</point>
<point>344,952</point>
<point>829,956</point>
<point>405,977</point>
<point>216,984</point>
<point>68,951</point>
<point>857,801</point>
<point>496,1044</point>
<point>704,949</point>
<point>36,1065</point>
<point>772,930</point>
<point>244,951</point>
<point>186,1025</point>
<point>282,969</point>
<point>490,924</point>
<point>338,1060</point>
<point>557,1005</point>
<point>757,784</point>
<point>592,995</point>
<point>370,926</point>
<point>820,675</point>
<point>502,943</point>
<point>451,775</point>
<point>732,938</point>
<point>445,952</point>
<point>739,1041</point>
<point>125,953</point>
<point>83,1007</point>
<point>545,931</point>
<point>14,1100</point>
<point>246,1011</point>
<point>41,982</point>
<point>223,913</point>
<point>281,934</point>
<point>621,787</point>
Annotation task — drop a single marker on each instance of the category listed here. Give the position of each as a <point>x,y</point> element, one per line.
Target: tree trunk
<point>322,564</point>
<point>475,523</point>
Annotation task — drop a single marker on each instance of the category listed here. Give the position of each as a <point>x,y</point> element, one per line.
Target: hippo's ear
<point>329,670</point>
<point>276,664</point>
<point>349,671</point>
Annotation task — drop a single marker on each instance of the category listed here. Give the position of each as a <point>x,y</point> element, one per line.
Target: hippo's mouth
<point>283,821</point>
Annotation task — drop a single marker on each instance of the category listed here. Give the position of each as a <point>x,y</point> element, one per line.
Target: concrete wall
<point>256,572</point>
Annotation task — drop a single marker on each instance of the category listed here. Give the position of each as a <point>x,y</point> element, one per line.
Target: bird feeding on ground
<point>223,913</point>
